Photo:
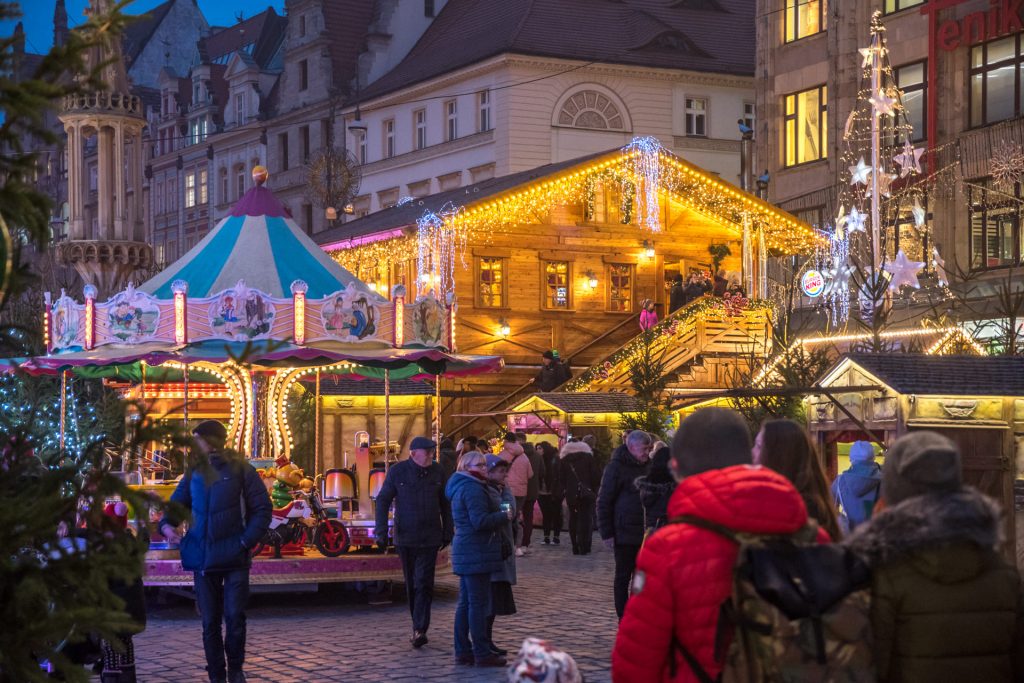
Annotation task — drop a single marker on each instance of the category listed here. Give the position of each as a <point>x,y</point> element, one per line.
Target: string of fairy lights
<point>40,419</point>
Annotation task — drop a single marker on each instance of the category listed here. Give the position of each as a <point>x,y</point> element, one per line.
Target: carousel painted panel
<point>425,323</point>
<point>241,314</point>
<point>129,317</point>
<point>67,323</point>
<point>352,315</point>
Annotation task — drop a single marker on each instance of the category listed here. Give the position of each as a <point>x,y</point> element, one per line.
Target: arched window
<point>591,109</point>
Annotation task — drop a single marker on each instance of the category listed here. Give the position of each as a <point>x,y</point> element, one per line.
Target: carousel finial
<point>260,174</point>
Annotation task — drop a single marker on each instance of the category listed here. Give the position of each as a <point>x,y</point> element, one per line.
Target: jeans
<point>527,517</point>
<point>418,568</point>
<point>625,565</point>
<point>581,525</point>
<point>471,614</point>
<point>551,509</point>
<point>221,596</point>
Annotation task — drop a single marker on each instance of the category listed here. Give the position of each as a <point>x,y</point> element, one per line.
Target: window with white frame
<point>223,185</point>
<point>239,181</point>
<point>420,123</point>
<point>696,116</point>
<point>172,195</point>
<point>748,115</point>
<point>204,192</point>
<point>158,192</point>
<point>389,138</point>
<point>190,190</point>
<point>451,112</point>
<point>360,140</point>
<point>483,99</point>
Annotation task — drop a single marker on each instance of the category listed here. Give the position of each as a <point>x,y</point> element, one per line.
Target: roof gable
<point>917,373</point>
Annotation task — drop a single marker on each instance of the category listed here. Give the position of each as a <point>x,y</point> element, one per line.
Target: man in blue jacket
<point>423,525</point>
<point>230,512</point>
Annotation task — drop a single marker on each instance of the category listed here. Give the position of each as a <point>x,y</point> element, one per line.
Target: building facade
<point>958,64</point>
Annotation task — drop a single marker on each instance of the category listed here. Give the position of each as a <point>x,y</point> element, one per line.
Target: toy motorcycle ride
<point>304,521</point>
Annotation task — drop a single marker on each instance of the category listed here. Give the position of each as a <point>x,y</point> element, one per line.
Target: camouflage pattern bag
<point>799,611</point>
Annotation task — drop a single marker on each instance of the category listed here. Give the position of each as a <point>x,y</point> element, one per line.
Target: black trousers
<point>551,508</point>
<point>581,525</point>
<point>222,597</point>
<point>625,565</point>
<point>418,567</point>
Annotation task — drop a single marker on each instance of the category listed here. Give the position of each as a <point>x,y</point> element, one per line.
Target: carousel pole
<point>316,427</point>
<point>185,411</point>
<point>387,419</point>
<point>437,410</point>
<point>63,406</point>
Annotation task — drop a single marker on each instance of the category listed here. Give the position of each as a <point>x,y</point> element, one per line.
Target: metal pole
<point>185,411</point>
<point>437,410</point>
<point>63,406</point>
<point>316,427</point>
<point>876,169</point>
<point>387,418</point>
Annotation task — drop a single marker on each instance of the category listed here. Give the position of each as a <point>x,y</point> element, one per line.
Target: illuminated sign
<point>1002,18</point>
<point>813,282</point>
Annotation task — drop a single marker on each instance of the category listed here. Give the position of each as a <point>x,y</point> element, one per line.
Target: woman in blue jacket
<point>477,552</point>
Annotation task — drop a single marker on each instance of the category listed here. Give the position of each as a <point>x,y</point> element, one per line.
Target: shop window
<point>912,79</point>
<point>806,130</point>
<point>556,285</point>
<point>900,5</point>
<point>804,18</point>
<point>995,81</point>
<point>995,228</point>
<point>620,287</point>
<point>696,117</point>
<point>490,279</point>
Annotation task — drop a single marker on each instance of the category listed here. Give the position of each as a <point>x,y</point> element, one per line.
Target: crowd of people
<point>906,556</point>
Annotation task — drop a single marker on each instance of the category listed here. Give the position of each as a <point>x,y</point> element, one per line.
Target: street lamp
<point>591,279</point>
<point>648,249</point>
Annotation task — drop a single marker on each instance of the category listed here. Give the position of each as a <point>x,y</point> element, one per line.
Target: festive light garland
<point>439,246</point>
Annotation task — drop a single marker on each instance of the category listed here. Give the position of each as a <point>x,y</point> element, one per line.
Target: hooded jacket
<point>550,480</point>
<point>576,462</point>
<point>476,546</point>
<point>684,573</point>
<point>620,513</point>
<point>520,471</point>
<point>499,495</point>
<point>231,511</point>
<point>945,605</point>
<point>654,497</point>
<point>856,490</point>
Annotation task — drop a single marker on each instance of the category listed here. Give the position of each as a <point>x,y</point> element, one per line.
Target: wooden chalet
<point>561,256</point>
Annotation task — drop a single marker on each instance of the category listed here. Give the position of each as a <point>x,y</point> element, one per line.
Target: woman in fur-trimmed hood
<point>656,489</point>
<point>945,605</point>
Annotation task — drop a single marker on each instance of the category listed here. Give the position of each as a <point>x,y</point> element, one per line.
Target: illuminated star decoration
<point>860,172</point>
<point>882,103</point>
<point>919,213</point>
<point>940,267</point>
<point>884,184</point>
<point>903,271</point>
<point>867,53</point>
<point>1007,163</point>
<point>855,221</point>
<point>909,160</point>
<point>841,220</point>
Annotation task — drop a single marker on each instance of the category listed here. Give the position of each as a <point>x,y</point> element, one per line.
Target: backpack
<point>799,611</point>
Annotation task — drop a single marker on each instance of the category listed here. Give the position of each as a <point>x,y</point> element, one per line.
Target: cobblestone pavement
<point>336,636</point>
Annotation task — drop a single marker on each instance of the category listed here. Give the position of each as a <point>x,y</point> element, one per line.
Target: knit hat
<point>550,355</point>
<point>710,439</point>
<point>540,662</point>
<point>212,431</point>
<point>920,463</point>
<point>495,461</point>
<point>862,451</point>
<point>118,512</point>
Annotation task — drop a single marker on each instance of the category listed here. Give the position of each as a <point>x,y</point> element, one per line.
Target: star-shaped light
<point>909,160</point>
<point>919,213</point>
<point>940,267</point>
<point>855,221</point>
<point>884,184</point>
<point>860,172</point>
<point>868,54</point>
<point>838,280</point>
<point>882,103</point>
<point>903,271</point>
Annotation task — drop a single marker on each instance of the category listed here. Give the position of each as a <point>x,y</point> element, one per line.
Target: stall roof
<point>590,402</point>
<point>917,373</point>
<point>338,386</point>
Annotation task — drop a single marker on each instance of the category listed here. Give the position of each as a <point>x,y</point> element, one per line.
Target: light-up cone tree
<point>878,166</point>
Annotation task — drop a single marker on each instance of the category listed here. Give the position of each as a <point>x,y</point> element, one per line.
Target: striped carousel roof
<point>260,244</point>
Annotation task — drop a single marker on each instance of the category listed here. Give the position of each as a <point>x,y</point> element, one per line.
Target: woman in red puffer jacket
<point>684,573</point>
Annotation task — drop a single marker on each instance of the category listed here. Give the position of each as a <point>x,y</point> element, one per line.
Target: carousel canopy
<point>260,244</point>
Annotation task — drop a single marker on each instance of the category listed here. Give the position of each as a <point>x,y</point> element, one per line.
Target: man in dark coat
<point>423,525</point>
<point>581,478</point>
<point>620,512</point>
<point>231,510</point>
<point>676,294</point>
<point>553,373</point>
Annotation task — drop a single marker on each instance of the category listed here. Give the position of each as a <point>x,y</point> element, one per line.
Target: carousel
<point>228,331</point>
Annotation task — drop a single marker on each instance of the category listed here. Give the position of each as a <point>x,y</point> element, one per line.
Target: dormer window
<point>239,109</point>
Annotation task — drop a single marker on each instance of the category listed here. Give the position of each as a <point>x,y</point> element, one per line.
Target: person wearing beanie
<point>118,658</point>
<point>945,605</point>
<point>581,478</point>
<point>231,511</point>
<point>857,489</point>
<point>684,572</point>
<point>553,372</point>
<point>422,525</point>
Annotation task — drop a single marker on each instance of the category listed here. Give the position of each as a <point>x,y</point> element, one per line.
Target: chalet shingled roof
<point>591,402</point>
<point>918,373</point>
